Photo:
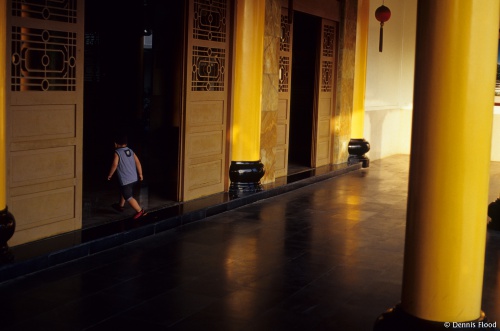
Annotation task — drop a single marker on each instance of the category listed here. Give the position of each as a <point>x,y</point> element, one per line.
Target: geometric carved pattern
<point>326,76</point>
<point>53,10</point>
<point>284,74</point>
<point>209,21</point>
<point>43,60</point>
<point>208,69</point>
<point>285,34</point>
<point>328,40</point>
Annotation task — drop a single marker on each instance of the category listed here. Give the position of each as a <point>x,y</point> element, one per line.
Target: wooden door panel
<point>204,156</point>
<point>45,117</point>
<point>284,95</point>
<point>325,92</point>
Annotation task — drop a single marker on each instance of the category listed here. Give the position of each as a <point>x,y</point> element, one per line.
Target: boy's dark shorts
<point>127,191</point>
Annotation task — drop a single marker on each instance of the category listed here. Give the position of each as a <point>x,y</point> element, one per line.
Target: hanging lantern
<point>382,14</point>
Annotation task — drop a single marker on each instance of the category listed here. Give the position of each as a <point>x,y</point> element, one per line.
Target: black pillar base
<point>245,177</point>
<point>357,148</point>
<point>7,228</point>
<point>494,214</point>
<point>395,319</point>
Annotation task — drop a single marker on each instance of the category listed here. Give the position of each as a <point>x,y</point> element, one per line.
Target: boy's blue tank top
<point>127,171</point>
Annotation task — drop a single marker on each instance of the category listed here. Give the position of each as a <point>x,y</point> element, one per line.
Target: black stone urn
<point>357,148</point>
<point>494,214</point>
<point>7,228</point>
<point>245,177</point>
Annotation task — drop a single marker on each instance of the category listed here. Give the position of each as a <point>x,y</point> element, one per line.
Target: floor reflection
<point>328,256</point>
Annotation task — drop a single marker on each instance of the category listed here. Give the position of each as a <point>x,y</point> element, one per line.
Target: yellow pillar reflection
<point>450,157</point>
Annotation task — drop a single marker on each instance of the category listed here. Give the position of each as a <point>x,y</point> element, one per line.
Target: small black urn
<point>7,228</point>
<point>245,177</point>
<point>494,214</point>
<point>357,148</point>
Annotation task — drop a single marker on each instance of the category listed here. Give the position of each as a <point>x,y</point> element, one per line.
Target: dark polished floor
<point>327,256</point>
<point>101,194</point>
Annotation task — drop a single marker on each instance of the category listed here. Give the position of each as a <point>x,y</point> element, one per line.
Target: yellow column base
<point>396,319</point>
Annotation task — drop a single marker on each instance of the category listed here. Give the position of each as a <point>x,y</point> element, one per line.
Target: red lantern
<point>382,14</point>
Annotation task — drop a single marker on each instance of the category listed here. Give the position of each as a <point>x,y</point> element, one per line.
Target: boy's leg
<point>139,211</point>
<point>120,205</point>
<point>134,204</point>
<point>127,193</point>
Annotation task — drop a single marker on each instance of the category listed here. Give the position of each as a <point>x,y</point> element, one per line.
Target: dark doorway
<point>127,89</point>
<point>307,28</point>
<point>111,91</point>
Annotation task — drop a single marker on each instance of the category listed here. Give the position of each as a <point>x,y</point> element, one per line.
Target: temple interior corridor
<point>327,256</point>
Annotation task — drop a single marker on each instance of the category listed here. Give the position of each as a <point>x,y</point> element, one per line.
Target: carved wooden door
<point>44,100</point>
<point>325,95</point>
<point>285,76</point>
<point>204,162</point>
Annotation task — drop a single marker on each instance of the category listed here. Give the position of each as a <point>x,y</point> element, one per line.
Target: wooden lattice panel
<point>285,40</point>
<point>208,69</point>
<point>43,60</point>
<point>209,20</point>
<point>328,40</point>
<point>284,87</point>
<point>53,10</point>
<point>284,74</point>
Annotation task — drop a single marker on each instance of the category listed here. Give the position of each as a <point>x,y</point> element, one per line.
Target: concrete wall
<point>389,83</point>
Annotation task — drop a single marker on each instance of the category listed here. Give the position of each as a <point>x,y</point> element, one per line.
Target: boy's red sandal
<point>139,214</point>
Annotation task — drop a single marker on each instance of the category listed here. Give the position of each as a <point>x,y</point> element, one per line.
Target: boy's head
<point>121,140</point>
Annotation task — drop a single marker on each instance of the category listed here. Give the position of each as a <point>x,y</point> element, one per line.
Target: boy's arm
<point>138,166</point>
<point>114,165</point>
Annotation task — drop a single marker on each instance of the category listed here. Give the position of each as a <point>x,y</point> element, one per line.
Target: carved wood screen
<point>285,80</point>
<point>204,165</point>
<point>325,99</point>
<point>44,116</point>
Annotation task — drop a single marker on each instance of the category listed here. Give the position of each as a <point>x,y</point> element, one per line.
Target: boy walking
<point>129,170</point>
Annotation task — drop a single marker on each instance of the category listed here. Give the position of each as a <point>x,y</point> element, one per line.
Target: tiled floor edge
<point>83,249</point>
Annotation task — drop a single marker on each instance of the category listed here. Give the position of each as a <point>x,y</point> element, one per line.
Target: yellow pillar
<point>7,222</point>
<point>358,146</point>
<point>358,109</point>
<point>246,169</point>
<point>455,73</point>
